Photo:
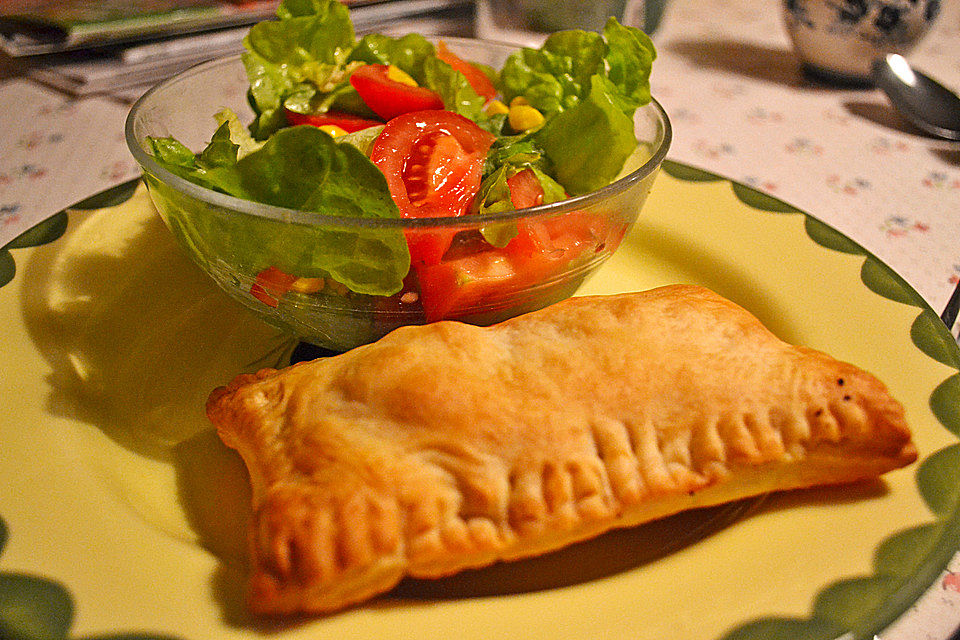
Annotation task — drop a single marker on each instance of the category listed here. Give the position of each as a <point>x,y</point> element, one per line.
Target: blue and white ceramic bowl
<point>839,39</point>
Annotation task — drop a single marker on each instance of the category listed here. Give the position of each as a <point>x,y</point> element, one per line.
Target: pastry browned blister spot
<point>449,446</point>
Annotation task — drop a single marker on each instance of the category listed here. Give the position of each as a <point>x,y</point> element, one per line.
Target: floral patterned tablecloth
<point>740,108</point>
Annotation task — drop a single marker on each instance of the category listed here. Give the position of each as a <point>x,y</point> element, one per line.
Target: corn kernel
<point>307,285</point>
<point>495,107</point>
<point>397,74</point>
<point>333,129</point>
<point>523,117</point>
<point>518,100</point>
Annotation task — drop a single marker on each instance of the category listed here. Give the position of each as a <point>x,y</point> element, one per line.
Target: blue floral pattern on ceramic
<point>888,19</point>
<point>842,37</point>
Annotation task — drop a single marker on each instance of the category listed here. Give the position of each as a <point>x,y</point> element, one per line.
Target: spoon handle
<point>949,316</point>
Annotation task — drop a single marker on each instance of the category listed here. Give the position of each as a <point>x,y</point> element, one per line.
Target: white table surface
<point>740,108</point>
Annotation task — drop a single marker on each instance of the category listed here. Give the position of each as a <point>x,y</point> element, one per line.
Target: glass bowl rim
<point>261,210</point>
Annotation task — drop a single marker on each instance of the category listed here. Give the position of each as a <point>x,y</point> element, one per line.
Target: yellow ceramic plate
<point>121,513</point>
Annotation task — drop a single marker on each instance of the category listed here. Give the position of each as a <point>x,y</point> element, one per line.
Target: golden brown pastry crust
<point>450,446</point>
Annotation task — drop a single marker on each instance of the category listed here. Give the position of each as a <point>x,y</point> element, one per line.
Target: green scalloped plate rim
<point>53,227</point>
<point>838,609</point>
<point>34,607</point>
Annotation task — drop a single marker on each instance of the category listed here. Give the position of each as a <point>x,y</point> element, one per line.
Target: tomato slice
<point>346,121</point>
<point>546,245</point>
<point>270,285</point>
<point>388,98</point>
<point>451,287</point>
<point>525,189</point>
<point>542,249</point>
<point>477,78</point>
<point>433,163</point>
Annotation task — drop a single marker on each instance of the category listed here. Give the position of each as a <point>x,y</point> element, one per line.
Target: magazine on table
<point>36,27</point>
<point>82,47</point>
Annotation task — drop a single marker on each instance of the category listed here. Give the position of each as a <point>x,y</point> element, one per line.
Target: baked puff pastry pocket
<point>449,446</point>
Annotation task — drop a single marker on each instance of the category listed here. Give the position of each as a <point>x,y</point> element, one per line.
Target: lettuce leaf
<point>588,85</point>
<point>454,89</point>
<point>588,144</point>
<point>238,133</point>
<point>512,150</point>
<point>407,52</point>
<point>298,168</point>
<point>555,76</point>
<point>362,139</point>
<point>507,157</point>
<point>306,49</point>
<point>558,75</point>
<point>629,60</point>
<point>213,168</point>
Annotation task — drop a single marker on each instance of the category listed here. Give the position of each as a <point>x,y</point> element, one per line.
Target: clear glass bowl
<point>204,221</point>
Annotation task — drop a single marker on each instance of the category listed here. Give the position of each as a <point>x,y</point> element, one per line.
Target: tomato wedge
<point>433,163</point>
<point>346,121</point>
<point>542,249</point>
<point>387,97</point>
<point>448,289</point>
<point>270,285</point>
<point>475,77</point>
<point>525,189</point>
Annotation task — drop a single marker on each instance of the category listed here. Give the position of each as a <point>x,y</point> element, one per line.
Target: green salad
<point>385,127</point>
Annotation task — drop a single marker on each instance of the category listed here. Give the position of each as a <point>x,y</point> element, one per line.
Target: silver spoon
<point>922,100</point>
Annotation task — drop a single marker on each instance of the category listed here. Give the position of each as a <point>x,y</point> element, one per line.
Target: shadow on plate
<point>136,337</point>
<point>620,550</point>
<point>607,555</point>
<point>135,334</point>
